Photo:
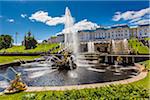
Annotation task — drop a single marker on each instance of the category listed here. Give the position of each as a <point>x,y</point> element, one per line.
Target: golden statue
<point>16,85</point>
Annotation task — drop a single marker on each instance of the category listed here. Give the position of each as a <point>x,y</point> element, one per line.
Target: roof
<point>101,28</point>
<point>87,31</point>
<point>60,34</point>
<point>144,25</point>
<point>120,26</point>
<point>133,26</point>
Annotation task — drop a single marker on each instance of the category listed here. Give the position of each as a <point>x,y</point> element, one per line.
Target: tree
<point>44,41</point>
<point>29,41</point>
<point>5,41</point>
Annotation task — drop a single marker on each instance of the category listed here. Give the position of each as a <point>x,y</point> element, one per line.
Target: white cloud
<point>23,15</point>
<point>39,41</point>
<point>135,20</point>
<point>42,16</point>
<point>141,22</point>
<point>129,15</point>
<point>11,20</point>
<point>82,25</point>
<point>18,44</point>
<point>115,25</point>
<point>117,16</point>
<point>55,21</point>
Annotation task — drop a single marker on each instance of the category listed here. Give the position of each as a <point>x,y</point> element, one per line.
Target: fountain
<point>125,43</point>
<point>91,47</point>
<point>68,24</point>
<point>113,46</point>
<point>69,66</point>
<point>119,46</point>
<point>71,36</point>
<point>67,60</point>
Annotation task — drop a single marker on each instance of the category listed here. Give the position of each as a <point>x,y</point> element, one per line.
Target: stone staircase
<point>88,60</point>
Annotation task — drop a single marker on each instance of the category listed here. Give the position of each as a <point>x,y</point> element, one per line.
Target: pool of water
<point>46,76</point>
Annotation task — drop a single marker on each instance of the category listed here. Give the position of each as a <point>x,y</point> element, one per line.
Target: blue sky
<point>14,16</point>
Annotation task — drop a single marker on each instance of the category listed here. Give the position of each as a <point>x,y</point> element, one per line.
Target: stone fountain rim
<point>140,76</point>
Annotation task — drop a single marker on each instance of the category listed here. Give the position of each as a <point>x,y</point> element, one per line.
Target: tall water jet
<point>91,47</point>
<point>113,46</point>
<point>125,44</point>
<point>71,36</point>
<point>68,24</point>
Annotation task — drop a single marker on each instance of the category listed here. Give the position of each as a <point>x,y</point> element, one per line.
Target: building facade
<point>100,40</point>
<point>56,39</point>
<point>143,31</point>
<point>113,33</point>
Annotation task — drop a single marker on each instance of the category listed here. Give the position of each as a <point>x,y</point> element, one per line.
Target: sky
<point>46,18</point>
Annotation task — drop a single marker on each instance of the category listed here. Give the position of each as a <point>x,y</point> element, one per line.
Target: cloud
<point>11,20</point>
<point>39,41</point>
<point>129,15</point>
<point>82,25</point>
<point>18,44</point>
<point>115,25</point>
<point>43,17</point>
<point>135,20</point>
<point>141,22</point>
<point>23,15</point>
<point>55,21</point>
<point>1,16</point>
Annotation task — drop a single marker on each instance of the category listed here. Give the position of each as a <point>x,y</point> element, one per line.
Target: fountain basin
<point>48,77</point>
<point>140,76</point>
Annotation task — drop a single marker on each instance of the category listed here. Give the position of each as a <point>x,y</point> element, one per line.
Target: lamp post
<point>16,37</point>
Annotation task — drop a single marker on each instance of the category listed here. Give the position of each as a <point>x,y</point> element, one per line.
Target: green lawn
<point>147,38</point>
<point>117,92</point>
<point>146,81</point>
<point>138,46</point>
<point>39,48</point>
<point>8,59</point>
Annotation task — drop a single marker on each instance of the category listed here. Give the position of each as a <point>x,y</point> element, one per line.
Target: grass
<point>146,64</point>
<point>147,38</point>
<point>146,81</point>
<point>103,93</point>
<point>39,48</point>
<point>138,46</point>
<point>8,59</point>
